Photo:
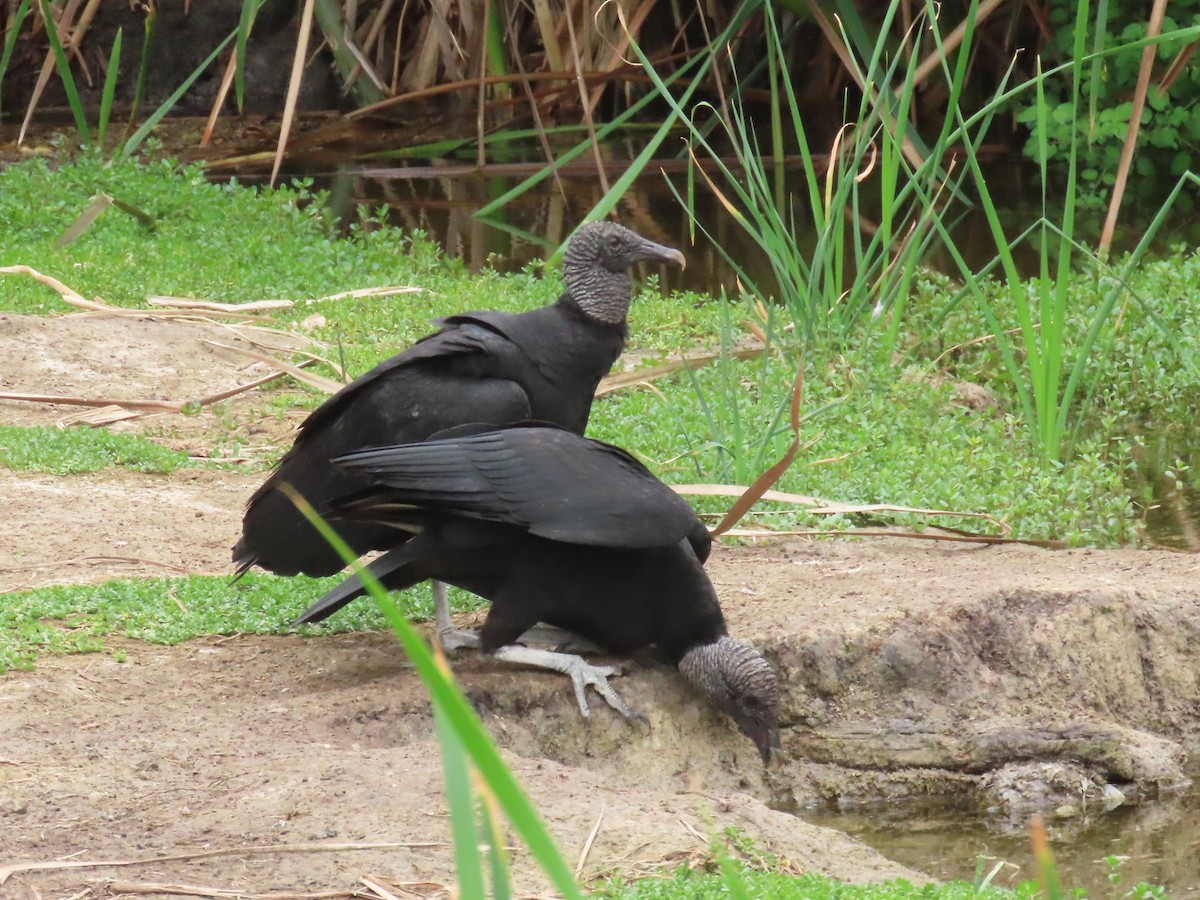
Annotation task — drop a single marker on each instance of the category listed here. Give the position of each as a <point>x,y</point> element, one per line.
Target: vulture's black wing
<point>459,340</point>
<point>553,483</point>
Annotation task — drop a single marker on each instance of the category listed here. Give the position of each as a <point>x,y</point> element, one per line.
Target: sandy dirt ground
<point>910,668</point>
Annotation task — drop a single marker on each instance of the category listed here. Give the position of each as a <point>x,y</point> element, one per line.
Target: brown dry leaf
<point>361,293</point>
<point>68,295</point>
<point>104,415</point>
<point>736,490</point>
<point>293,92</point>
<point>214,306</point>
<point>328,385</point>
<point>694,359</point>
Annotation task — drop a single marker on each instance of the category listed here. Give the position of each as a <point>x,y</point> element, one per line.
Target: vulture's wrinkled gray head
<point>596,267</point>
<point>735,678</point>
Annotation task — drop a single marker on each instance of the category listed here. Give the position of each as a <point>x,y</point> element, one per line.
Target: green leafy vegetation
<point>76,618</point>
<point>73,618</point>
<point>73,451</point>
<point>1170,127</point>
<point>700,885</point>
<point>908,439</point>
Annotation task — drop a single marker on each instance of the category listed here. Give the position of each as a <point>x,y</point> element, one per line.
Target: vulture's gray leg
<point>449,638</point>
<point>577,669</point>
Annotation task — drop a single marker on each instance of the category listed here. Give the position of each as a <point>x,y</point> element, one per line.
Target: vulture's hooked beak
<point>767,741</point>
<point>653,251</point>
<point>764,733</point>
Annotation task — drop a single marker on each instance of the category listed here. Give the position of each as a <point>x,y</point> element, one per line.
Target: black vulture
<point>479,367</point>
<point>553,527</point>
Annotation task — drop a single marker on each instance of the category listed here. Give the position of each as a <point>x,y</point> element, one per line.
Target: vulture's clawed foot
<point>582,674</point>
<point>451,640</point>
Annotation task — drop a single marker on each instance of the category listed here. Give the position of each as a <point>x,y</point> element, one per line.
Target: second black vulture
<point>480,367</point>
<point>553,527</point>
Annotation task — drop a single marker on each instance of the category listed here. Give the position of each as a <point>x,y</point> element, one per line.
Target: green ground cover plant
<point>701,885</point>
<point>76,618</point>
<point>74,451</point>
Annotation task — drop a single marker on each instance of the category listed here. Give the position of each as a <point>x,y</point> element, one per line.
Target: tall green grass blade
<point>1097,70</point>
<point>1058,429</point>
<point>458,715</point>
<point>157,116</point>
<point>494,37</point>
<point>110,87</point>
<point>497,851</point>
<point>584,146</point>
<point>14,31</point>
<point>250,10</point>
<point>777,154</point>
<point>64,73</point>
<point>1036,353</point>
<point>139,89</point>
<point>468,863</point>
<point>798,131</point>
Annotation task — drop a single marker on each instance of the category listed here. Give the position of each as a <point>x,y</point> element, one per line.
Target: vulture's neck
<point>601,294</point>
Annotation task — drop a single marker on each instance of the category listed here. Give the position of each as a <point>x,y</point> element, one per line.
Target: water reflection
<point>1167,472</point>
<point>531,226</point>
<point>1160,844</point>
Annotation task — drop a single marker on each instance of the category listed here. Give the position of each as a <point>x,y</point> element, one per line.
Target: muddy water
<point>532,225</point>
<point>1158,843</point>
<point>1169,474</point>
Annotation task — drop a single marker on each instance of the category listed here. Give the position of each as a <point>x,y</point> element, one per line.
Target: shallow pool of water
<point>1159,844</point>
<point>1168,472</point>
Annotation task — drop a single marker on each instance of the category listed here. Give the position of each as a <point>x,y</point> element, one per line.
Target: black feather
<point>488,367</point>
<point>548,526</point>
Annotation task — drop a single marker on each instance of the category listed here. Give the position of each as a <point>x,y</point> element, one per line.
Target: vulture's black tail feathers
<point>387,569</point>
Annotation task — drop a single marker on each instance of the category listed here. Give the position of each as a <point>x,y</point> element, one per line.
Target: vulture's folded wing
<point>553,483</point>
